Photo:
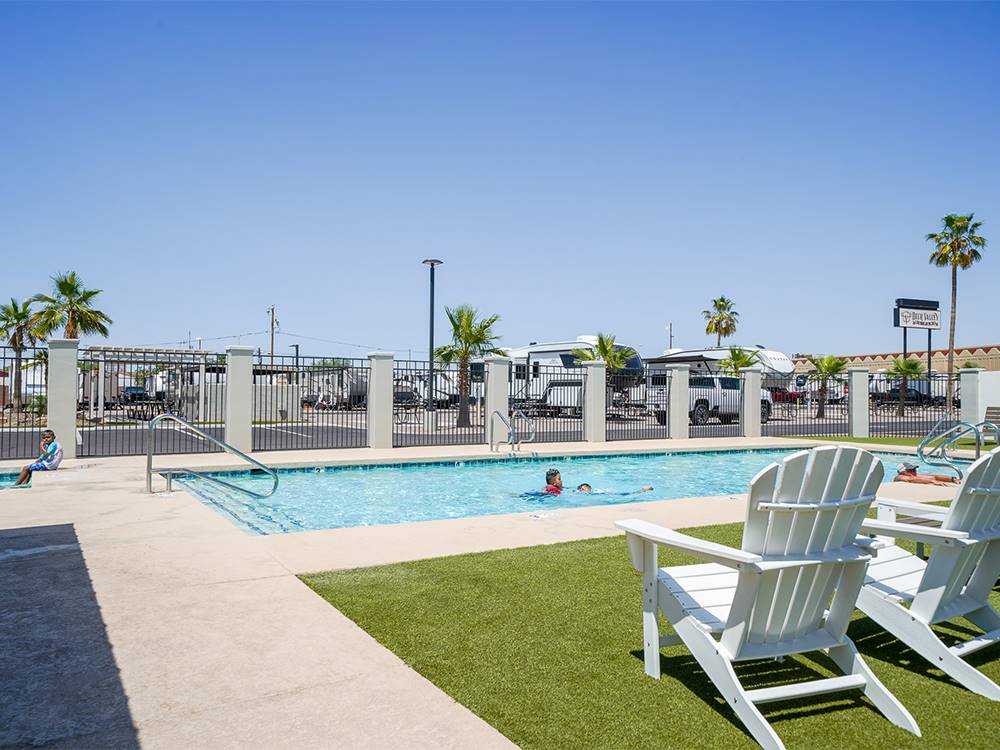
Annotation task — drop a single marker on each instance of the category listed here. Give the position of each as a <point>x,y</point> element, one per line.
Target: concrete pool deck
<point>132,620</point>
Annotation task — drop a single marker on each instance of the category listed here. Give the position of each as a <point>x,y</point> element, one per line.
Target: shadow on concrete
<point>59,683</point>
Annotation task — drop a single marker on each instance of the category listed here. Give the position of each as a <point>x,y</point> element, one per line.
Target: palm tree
<point>826,369</point>
<point>957,245</point>
<point>470,337</point>
<point>904,369</point>
<point>18,326</point>
<point>721,319</point>
<point>614,357</point>
<point>70,307</point>
<point>738,359</point>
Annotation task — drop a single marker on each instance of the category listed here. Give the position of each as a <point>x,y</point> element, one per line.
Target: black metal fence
<point>638,405</point>
<point>437,406</point>
<point>814,406</point>
<point>23,400</point>
<point>309,402</point>
<point>121,389</point>
<point>910,407</point>
<point>552,397</point>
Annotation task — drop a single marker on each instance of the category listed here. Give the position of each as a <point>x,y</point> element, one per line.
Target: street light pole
<point>296,348</point>
<point>432,263</point>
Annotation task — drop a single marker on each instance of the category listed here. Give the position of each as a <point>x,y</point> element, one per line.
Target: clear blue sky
<point>579,167</point>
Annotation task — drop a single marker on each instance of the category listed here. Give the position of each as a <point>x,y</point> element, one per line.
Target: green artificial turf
<point>911,442</point>
<point>545,644</point>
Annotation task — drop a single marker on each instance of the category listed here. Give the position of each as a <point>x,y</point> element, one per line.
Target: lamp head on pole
<point>432,262</point>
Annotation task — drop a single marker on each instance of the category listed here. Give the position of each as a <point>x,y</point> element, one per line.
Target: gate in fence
<point>120,389</point>
<point>438,404</point>
<point>638,405</point>
<point>309,402</point>
<point>552,397</point>
<point>910,407</point>
<point>23,400</point>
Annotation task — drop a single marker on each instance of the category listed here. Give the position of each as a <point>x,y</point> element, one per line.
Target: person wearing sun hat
<point>907,472</point>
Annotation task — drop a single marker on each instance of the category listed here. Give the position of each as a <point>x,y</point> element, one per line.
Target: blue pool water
<point>337,497</point>
<point>7,480</point>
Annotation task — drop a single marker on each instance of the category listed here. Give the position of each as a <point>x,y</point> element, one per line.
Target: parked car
<point>713,396</point>
<point>785,396</point>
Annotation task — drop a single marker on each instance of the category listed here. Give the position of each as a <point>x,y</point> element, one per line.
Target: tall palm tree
<point>470,337</point>
<point>70,307</point>
<point>615,357</point>
<point>826,369</point>
<point>721,319</point>
<point>905,369</point>
<point>19,327</point>
<point>738,359</point>
<point>957,245</point>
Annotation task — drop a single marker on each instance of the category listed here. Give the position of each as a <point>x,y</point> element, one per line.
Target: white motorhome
<point>777,367</point>
<point>547,376</point>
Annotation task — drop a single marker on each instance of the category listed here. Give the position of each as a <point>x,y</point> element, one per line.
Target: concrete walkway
<point>131,620</point>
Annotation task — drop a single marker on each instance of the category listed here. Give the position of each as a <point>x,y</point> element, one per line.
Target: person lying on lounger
<point>908,473</point>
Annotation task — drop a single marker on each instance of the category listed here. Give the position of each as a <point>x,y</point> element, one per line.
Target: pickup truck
<point>712,396</point>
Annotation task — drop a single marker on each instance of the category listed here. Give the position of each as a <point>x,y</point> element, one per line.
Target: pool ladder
<point>169,474</point>
<point>514,439</point>
<point>933,449</point>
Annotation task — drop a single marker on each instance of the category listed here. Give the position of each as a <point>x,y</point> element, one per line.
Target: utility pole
<point>273,323</point>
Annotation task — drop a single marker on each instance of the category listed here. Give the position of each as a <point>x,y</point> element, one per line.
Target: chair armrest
<point>925,534</point>
<point>719,553</point>
<point>870,545</point>
<point>910,508</point>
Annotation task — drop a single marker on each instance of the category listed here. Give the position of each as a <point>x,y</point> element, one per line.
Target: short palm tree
<point>70,307</point>
<point>18,327</point>
<point>470,337</point>
<point>826,369</point>
<point>738,359</point>
<point>957,246</point>
<point>721,319</point>
<point>905,369</point>
<point>614,357</point>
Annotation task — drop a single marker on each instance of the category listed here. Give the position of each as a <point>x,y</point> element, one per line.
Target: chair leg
<point>986,618</point>
<point>849,660</point>
<point>718,666</point>
<point>921,638</point>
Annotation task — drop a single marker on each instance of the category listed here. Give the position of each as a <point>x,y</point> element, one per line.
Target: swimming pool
<point>339,497</point>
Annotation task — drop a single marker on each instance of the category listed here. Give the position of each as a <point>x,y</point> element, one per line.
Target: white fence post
<point>989,393</point>
<point>239,397</point>
<point>497,397</point>
<point>380,395</point>
<point>595,401</point>
<point>858,417</point>
<point>750,402</point>
<point>680,402</point>
<point>969,385</point>
<point>62,393</point>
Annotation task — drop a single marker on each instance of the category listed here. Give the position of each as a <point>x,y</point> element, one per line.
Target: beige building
<point>986,357</point>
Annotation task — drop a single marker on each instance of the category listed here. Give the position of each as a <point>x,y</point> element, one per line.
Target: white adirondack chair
<point>790,589</point>
<point>954,582</point>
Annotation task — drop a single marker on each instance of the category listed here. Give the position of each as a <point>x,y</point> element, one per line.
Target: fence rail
<point>815,406</point>
<point>120,390</point>
<point>638,405</point>
<point>23,394</point>
<point>309,402</point>
<point>438,405</point>
<point>910,407</point>
<point>552,396</point>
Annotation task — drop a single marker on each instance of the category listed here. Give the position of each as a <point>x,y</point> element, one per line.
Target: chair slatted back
<point>813,503</point>
<point>958,579</point>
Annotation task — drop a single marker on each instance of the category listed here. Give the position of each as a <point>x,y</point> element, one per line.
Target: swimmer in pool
<point>587,489</point>
<point>553,482</point>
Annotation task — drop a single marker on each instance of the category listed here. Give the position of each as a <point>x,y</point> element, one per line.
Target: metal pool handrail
<point>513,436</point>
<point>169,473</point>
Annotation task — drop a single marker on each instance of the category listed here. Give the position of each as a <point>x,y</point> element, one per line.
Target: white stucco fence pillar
<point>497,397</point>
<point>989,392</point>
<point>680,402</point>
<point>62,393</point>
<point>972,409</point>
<point>858,418</point>
<point>380,394</point>
<point>239,397</point>
<point>750,402</point>
<point>595,402</point>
